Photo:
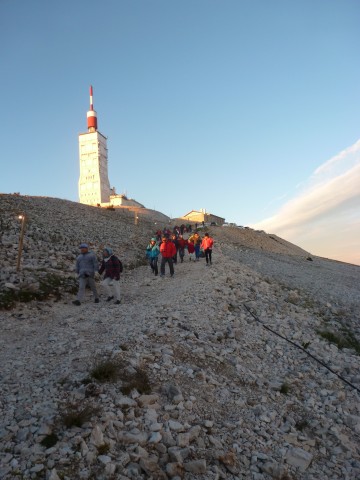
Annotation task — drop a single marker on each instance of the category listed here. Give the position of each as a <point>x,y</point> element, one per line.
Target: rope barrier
<point>300,348</point>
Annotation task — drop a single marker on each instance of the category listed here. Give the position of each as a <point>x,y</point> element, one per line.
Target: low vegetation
<point>49,440</point>
<point>106,371</point>
<point>76,414</point>
<point>50,285</point>
<point>138,380</point>
<point>343,338</point>
<point>285,389</point>
<point>113,370</point>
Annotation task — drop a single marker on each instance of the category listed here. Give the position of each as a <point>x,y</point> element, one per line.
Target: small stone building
<point>123,201</point>
<point>200,216</point>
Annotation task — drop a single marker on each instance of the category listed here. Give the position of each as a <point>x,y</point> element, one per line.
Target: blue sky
<point>249,109</point>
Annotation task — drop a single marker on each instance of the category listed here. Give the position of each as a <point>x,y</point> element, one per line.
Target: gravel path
<point>226,417</point>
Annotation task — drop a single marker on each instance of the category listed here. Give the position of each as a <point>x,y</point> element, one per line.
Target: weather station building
<point>94,185</point>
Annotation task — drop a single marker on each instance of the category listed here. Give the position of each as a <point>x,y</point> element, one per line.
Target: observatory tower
<point>94,185</point>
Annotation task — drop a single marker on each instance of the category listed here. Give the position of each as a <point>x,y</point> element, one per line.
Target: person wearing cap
<point>152,254</point>
<point>167,250</point>
<point>86,267</point>
<point>112,267</point>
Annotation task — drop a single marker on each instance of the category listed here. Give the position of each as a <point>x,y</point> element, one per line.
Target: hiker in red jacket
<point>207,244</point>
<point>167,250</point>
<point>181,247</point>
<point>191,248</point>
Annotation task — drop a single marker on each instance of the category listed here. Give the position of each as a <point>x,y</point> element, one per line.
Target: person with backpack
<point>196,239</point>
<point>112,267</point>
<point>152,254</point>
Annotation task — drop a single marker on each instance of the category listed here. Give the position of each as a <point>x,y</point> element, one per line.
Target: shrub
<point>343,339</point>
<point>106,371</point>
<point>111,370</point>
<point>103,449</point>
<point>284,389</point>
<point>136,381</point>
<point>49,285</point>
<point>50,440</point>
<point>75,415</point>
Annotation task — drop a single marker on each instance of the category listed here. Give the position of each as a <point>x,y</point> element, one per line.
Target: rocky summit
<point>246,369</point>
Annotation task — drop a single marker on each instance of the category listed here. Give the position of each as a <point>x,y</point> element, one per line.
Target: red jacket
<point>207,242</point>
<point>181,243</point>
<point>167,249</point>
<point>190,247</point>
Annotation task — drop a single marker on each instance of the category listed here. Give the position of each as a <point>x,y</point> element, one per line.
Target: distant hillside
<point>253,239</point>
<point>54,230</point>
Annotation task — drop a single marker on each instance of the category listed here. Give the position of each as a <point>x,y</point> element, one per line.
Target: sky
<point>249,109</point>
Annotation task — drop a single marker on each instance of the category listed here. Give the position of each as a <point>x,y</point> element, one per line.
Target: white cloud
<point>345,156</point>
<point>325,217</point>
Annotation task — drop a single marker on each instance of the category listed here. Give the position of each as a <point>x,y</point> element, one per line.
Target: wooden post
<point>21,240</point>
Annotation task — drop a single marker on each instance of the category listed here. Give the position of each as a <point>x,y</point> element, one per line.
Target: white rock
<point>299,458</point>
<point>176,426</point>
<point>104,459</point>
<point>97,437</point>
<point>155,437</point>
<point>196,467</point>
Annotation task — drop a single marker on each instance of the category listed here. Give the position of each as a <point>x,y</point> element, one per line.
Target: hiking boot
<point>109,298</point>
<point>96,300</point>
<point>76,302</point>
<point>117,302</point>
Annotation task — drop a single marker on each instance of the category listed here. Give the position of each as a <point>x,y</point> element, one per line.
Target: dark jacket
<point>112,267</point>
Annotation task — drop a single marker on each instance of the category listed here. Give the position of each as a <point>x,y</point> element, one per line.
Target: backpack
<point>121,266</point>
<point>114,259</point>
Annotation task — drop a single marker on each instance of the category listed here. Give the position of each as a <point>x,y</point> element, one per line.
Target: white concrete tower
<point>94,185</point>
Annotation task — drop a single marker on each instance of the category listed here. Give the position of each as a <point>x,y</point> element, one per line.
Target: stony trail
<point>215,409</point>
<point>202,389</point>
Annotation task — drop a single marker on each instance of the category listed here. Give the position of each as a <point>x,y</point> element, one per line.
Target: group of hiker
<point>169,245</point>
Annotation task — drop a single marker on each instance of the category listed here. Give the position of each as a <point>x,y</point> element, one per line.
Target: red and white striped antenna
<point>91,98</point>
<point>91,114</point>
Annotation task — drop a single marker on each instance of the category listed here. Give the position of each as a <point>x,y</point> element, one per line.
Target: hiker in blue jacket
<point>152,254</point>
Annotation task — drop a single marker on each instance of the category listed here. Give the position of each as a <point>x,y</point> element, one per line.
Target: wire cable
<point>300,348</point>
